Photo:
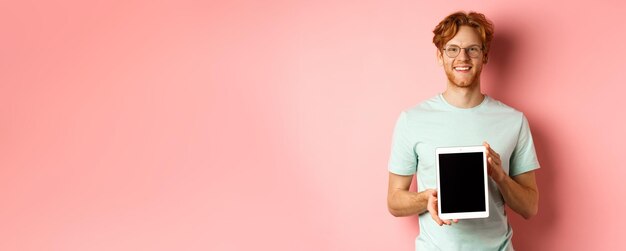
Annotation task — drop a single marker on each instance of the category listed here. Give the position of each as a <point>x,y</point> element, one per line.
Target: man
<point>463,116</point>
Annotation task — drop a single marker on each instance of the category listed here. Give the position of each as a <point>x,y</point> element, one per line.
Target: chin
<point>462,81</point>
<point>463,84</point>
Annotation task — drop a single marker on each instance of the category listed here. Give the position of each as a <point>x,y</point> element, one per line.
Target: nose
<point>463,54</point>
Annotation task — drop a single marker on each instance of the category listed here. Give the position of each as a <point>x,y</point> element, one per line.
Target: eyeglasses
<point>472,51</point>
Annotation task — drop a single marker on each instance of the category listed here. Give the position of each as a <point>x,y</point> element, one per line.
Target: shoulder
<point>497,106</point>
<point>426,106</point>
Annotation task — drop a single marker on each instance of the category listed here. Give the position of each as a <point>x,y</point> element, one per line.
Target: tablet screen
<point>462,186</point>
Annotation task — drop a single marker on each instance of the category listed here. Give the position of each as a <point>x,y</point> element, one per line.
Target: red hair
<point>449,26</point>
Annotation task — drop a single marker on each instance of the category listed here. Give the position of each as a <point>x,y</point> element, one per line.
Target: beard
<point>463,83</point>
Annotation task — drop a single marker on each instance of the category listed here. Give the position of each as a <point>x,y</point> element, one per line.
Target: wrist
<point>427,193</point>
<point>501,180</point>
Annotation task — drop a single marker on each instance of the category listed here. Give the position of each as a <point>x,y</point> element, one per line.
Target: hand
<point>433,208</point>
<point>494,164</point>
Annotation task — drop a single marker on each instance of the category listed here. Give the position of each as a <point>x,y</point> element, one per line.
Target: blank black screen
<point>461,182</point>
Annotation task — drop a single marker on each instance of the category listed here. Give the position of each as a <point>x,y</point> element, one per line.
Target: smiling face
<point>463,71</point>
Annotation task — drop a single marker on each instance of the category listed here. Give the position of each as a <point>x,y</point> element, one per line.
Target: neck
<point>463,97</point>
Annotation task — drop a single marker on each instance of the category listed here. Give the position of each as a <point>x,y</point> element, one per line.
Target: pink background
<point>266,125</point>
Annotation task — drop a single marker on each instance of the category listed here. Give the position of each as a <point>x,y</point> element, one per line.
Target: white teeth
<point>461,68</point>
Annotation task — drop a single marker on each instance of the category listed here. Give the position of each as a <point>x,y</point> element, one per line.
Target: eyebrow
<point>467,46</point>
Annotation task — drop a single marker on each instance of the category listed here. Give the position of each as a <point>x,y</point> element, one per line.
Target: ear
<point>485,54</point>
<point>439,57</point>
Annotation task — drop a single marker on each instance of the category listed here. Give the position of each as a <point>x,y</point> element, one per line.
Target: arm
<point>520,192</point>
<point>402,202</point>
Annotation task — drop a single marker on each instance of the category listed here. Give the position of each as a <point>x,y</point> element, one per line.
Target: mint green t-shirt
<point>435,123</point>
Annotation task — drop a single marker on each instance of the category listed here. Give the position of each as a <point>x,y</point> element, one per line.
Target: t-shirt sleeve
<point>403,159</point>
<point>523,158</point>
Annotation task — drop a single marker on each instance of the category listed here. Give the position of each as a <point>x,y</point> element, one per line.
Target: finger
<point>455,221</point>
<point>432,208</point>
<point>434,214</point>
<point>440,221</point>
<point>496,160</point>
<point>490,152</point>
<point>493,152</point>
<point>493,162</point>
<point>490,167</point>
<point>487,145</point>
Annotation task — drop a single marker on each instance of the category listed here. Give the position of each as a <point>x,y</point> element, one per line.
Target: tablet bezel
<point>463,215</point>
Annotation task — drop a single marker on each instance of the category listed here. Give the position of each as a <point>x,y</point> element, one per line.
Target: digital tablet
<point>462,182</point>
